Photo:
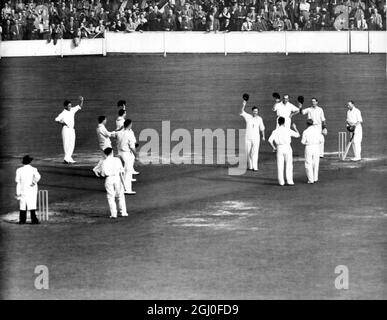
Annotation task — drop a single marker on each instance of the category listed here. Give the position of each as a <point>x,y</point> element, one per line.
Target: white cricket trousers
<point>252,149</point>
<point>356,144</point>
<point>114,190</point>
<point>312,161</point>
<point>285,159</point>
<point>128,158</point>
<point>68,137</point>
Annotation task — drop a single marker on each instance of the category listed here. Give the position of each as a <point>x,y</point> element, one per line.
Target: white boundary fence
<point>200,42</point>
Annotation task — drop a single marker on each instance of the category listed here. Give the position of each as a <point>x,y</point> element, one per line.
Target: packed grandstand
<point>72,19</point>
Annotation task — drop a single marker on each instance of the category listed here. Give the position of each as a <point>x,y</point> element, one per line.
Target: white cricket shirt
<point>125,140</point>
<point>283,136</point>
<point>316,114</point>
<point>120,122</point>
<point>312,136</point>
<point>67,116</point>
<point>104,136</point>
<point>111,166</point>
<point>253,126</point>
<point>354,116</point>
<point>285,110</point>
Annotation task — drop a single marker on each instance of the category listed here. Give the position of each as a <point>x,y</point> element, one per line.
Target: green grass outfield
<point>193,230</point>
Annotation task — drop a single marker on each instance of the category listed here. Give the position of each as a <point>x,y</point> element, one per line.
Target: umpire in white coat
<point>27,178</point>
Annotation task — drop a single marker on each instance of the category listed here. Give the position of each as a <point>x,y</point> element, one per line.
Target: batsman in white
<point>316,114</point>
<point>113,171</point>
<point>280,140</point>
<point>66,119</point>
<point>254,128</point>
<point>312,138</point>
<point>27,178</point>
<point>354,121</point>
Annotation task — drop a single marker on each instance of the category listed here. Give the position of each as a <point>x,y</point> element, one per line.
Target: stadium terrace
<point>77,19</point>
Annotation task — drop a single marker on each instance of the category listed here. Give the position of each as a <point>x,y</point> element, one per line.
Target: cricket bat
<point>122,181</point>
<point>348,146</point>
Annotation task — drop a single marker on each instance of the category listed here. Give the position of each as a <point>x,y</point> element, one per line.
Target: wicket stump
<point>43,205</point>
<point>342,144</point>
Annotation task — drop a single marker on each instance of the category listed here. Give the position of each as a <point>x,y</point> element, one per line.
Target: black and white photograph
<point>193,150</point>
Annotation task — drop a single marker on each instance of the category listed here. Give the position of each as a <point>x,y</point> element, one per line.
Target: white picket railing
<point>201,42</point>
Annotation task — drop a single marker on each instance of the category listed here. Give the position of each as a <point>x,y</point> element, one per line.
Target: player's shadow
<point>82,188</point>
<point>75,172</point>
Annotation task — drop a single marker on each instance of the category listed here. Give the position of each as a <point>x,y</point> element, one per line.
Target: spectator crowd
<point>77,19</point>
